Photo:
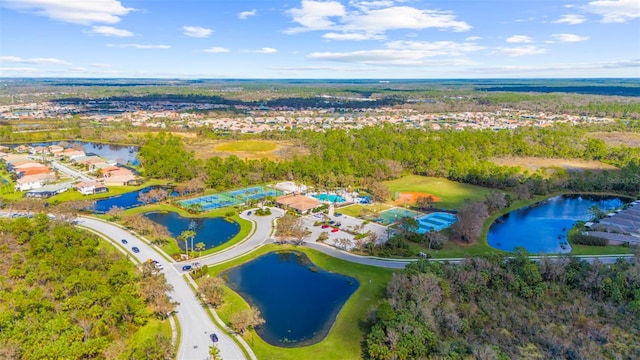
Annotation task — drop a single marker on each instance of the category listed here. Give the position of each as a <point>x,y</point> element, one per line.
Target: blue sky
<point>320,39</point>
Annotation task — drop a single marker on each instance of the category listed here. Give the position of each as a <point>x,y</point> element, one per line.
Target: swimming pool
<point>435,221</point>
<point>334,198</point>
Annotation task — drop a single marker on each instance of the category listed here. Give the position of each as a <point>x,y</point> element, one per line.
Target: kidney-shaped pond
<point>210,231</point>
<point>543,227</point>
<point>298,300</point>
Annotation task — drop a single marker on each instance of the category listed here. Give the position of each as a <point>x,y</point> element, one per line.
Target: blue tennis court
<point>435,221</point>
<point>390,216</point>
<point>230,198</point>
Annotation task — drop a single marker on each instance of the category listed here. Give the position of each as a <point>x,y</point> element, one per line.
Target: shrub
<point>229,213</point>
<point>589,240</point>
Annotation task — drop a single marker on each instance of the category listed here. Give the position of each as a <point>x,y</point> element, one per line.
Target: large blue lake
<point>125,201</point>
<point>542,228</point>
<point>210,231</point>
<point>298,301</point>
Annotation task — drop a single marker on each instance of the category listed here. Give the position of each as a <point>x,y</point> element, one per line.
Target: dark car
<point>214,337</point>
<point>124,241</point>
<point>135,249</point>
<point>186,268</point>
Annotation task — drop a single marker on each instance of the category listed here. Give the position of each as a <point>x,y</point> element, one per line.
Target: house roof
<point>298,202</point>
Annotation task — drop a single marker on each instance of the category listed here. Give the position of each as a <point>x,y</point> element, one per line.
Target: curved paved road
<point>194,321</point>
<point>263,226</point>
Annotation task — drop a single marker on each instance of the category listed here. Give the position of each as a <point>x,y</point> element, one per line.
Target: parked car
<point>248,212</point>
<point>135,249</point>
<point>324,226</point>
<point>214,337</point>
<point>335,230</point>
<point>124,241</point>
<point>186,268</point>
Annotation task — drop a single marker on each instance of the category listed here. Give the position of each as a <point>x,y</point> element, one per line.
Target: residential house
<point>89,188</point>
<point>73,153</point>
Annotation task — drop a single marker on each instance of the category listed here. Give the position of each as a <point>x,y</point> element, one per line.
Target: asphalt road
<point>71,172</point>
<point>196,326</point>
<point>263,225</point>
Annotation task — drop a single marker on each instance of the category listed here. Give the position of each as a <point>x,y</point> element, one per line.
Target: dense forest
<point>494,308</point>
<point>340,158</point>
<point>63,295</point>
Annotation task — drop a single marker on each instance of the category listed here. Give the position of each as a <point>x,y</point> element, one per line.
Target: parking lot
<point>345,223</point>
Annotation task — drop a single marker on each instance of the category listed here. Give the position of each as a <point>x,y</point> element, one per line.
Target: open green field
<point>452,194</point>
<point>245,149</point>
<point>344,338</point>
<point>246,145</point>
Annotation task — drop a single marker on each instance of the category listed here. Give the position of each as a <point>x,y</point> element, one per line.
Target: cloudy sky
<point>320,38</point>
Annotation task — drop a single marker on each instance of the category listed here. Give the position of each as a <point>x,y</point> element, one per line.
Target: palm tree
<point>186,236</point>
<point>214,352</point>
<point>200,246</point>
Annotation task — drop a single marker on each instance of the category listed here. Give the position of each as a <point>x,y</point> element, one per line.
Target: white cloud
<point>110,31</point>
<point>519,39</point>
<point>77,70</point>
<point>569,37</point>
<point>473,38</point>
<point>518,51</point>
<point>405,53</point>
<point>139,46</point>
<point>39,61</point>
<point>217,50</point>
<point>352,36</point>
<point>73,11</point>
<point>101,65</point>
<point>196,31</point>
<point>403,17</point>
<point>314,15</point>
<point>615,11</point>
<point>368,19</point>
<point>246,14</point>
<point>368,5</point>
<point>266,50</point>
<point>571,19</point>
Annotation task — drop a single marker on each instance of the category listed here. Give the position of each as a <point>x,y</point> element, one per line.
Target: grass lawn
<point>356,209</point>
<point>172,247</point>
<point>452,194</point>
<point>577,249</point>
<point>246,146</point>
<point>344,338</point>
<point>149,331</point>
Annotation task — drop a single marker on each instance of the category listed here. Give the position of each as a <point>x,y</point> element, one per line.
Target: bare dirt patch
<point>572,165</point>
<point>411,197</point>
<point>617,138</point>
<point>281,150</point>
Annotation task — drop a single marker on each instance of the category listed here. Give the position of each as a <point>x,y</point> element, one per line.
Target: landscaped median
<point>346,334</point>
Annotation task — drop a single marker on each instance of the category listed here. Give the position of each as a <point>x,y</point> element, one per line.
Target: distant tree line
<point>365,157</point>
